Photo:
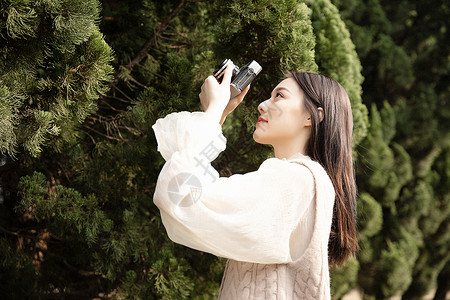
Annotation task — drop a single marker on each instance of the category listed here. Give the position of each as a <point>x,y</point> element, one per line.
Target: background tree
<point>78,172</point>
<point>404,160</point>
<point>54,64</point>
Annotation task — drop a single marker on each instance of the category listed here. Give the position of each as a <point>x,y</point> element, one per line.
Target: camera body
<point>240,78</point>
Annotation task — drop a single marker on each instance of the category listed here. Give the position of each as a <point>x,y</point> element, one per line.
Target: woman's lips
<point>261,120</point>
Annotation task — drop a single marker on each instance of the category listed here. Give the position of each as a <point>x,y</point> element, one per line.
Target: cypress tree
<point>79,212</point>
<point>403,162</point>
<point>54,64</point>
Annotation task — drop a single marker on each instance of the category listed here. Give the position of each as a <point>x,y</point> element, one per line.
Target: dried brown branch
<point>112,126</point>
<point>80,271</point>
<point>105,135</point>
<point>111,107</point>
<point>138,83</point>
<point>173,40</point>
<point>13,232</point>
<point>117,98</point>
<point>123,93</point>
<point>150,71</point>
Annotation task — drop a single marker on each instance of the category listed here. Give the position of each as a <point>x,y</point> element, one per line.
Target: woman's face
<point>283,119</point>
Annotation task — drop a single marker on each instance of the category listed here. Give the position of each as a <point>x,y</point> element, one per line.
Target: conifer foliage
<point>54,64</point>
<point>81,84</point>
<point>403,162</point>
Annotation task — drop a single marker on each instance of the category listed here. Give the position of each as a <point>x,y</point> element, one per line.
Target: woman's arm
<point>248,217</point>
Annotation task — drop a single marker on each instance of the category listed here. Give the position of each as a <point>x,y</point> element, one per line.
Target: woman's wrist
<point>222,119</point>
<point>214,115</point>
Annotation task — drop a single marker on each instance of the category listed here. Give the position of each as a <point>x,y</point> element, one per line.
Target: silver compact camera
<point>240,78</point>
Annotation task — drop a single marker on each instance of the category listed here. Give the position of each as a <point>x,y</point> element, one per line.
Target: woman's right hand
<point>215,97</point>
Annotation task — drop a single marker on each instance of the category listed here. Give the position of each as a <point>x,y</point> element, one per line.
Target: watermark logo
<point>273,107</point>
<point>210,152</point>
<point>3,161</point>
<point>185,188</point>
<point>182,185</point>
<point>268,106</point>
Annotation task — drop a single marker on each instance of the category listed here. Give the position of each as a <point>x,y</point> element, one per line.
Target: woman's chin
<point>258,138</point>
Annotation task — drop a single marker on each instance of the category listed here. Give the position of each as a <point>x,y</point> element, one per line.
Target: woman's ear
<point>321,114</point>
<point>308,122</point>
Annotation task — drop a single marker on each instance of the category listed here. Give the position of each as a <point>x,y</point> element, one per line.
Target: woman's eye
<point>278,95</point>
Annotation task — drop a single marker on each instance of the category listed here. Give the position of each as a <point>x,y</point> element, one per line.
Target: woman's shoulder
<point>285,168</point>
<point>296,162</point>
<point>300,166</point>
<point>278,163</point>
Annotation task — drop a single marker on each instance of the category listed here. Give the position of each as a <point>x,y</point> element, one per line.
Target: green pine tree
<point>79,210</point>
<point>403,163</point>
<point>54,64</point>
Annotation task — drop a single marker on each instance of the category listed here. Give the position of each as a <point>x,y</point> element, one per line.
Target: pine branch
<point>92,138</point>
<point>175,40</point>
<point>150,71</point>
<point>173,46</point>
<point>132,79</point>
<point>152,41</point>
<point>81,271</point>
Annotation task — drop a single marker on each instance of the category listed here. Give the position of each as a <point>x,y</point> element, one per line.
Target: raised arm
<point>248,217</point>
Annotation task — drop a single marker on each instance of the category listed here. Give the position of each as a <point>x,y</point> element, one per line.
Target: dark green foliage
<point>79,162</point>
<point>63,209</point>
<point>403,162</point>
<point>54,64</point>
<point>344,278</point>
<point>337,59</point>
<point>17,271</point>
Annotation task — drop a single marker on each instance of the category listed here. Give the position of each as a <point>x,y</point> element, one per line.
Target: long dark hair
<point>330,144</point>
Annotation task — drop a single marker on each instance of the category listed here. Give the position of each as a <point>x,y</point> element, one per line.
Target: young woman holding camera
<point>281,226</point>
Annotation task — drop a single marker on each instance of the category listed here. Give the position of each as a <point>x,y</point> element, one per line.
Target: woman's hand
<point>215,97</point>
<point>233,103</point>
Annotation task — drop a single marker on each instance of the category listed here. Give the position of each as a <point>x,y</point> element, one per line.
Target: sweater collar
<point>297,155</point>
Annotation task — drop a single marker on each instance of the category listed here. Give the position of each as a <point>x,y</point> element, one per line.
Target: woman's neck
<point>287,152</point>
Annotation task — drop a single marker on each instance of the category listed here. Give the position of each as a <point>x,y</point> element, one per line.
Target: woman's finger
<point>242,94</point>
<point>227,75</point>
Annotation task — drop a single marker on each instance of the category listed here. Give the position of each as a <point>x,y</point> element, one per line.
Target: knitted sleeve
<point>248,217</point>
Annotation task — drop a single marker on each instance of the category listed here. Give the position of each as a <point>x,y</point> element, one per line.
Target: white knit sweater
<point>276,219</point>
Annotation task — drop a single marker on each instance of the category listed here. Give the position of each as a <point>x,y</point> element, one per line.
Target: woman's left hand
<point>233,103</point>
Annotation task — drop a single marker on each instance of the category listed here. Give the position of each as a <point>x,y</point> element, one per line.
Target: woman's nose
<point>262,107</point>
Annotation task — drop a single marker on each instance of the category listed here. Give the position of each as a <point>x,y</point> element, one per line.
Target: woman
<point>280,226</point>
